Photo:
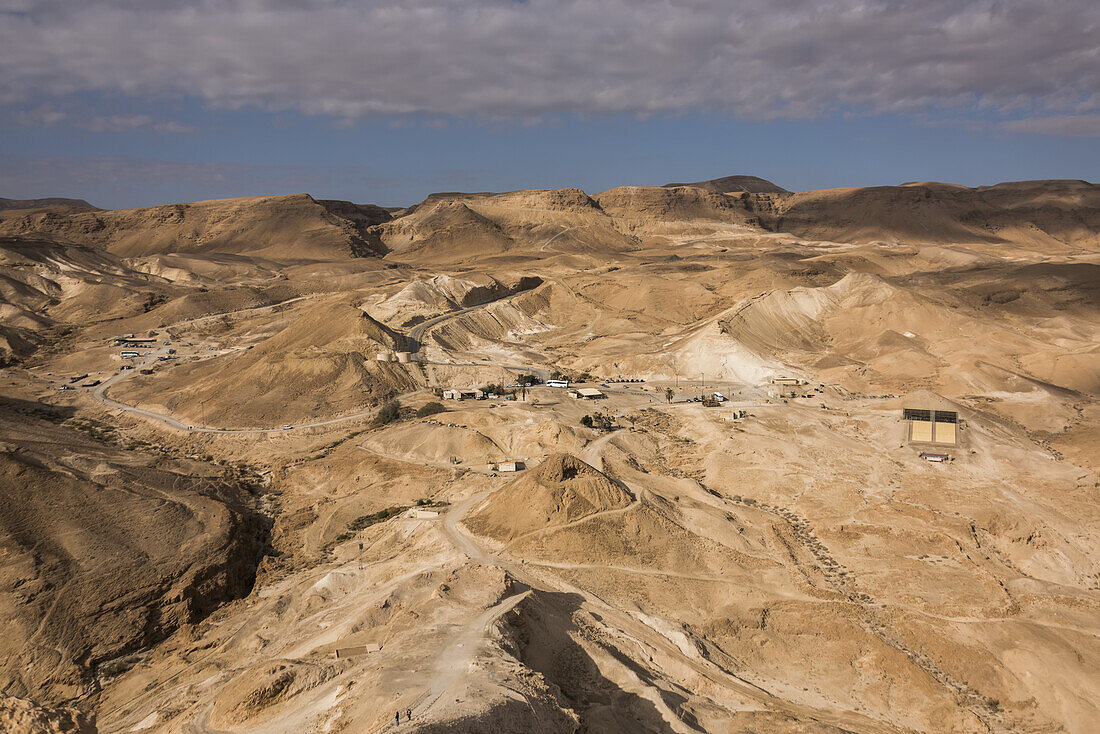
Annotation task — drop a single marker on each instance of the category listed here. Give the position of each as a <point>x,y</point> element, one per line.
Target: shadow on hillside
<point>545,628</point>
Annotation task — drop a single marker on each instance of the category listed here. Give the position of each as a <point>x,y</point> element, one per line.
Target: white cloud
<point>499,58</point>
<point>1086,126</point>
<point>49,115</point>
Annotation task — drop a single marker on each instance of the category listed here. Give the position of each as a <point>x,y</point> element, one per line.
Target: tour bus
<point>126,354</point>
<point>557,383</point>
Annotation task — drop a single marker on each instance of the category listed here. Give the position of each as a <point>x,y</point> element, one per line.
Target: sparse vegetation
<point>601,421</point>
<point>388,413</point>
<point>365,521</point>
<point>118,666</point>
<point>430,409</point>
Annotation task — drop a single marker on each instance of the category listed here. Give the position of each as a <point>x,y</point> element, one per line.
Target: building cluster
<point>787,387</point>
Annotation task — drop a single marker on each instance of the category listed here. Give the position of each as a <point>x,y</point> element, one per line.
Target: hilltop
<point>55,202</point>
<point>296,227</point>
<point>733,184</point>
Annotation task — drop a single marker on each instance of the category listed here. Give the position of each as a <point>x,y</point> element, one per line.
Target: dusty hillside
<point>47,284</point>
<point>561,490</point>
<point>106,550</point>
<point>294,227</point>
<point>321,363</point>
<point>57,203</point>
<point>461,227</point>
<point>641,206</point>
<point>1047,214</point>
<point>440,293</point>
<point>27,717</point>
<point>771,558</point>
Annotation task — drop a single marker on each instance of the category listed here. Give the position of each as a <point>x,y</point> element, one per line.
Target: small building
<point>936,458</point>
<point>463,394</point>
<point>787,381</point>
<point>384,356</point>
<point>586,393</point>
<point>931,426</point>
<point>507,466</point>
<point>404,357</point>
<point>733,416</point>
<point>347,652</point>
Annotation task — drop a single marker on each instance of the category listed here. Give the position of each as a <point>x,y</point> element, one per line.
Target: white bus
<point>557,383</point>
<point>129,355</point>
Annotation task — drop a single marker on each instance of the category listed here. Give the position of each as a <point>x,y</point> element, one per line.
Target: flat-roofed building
<point>931,426</point>
<point>463,394</point>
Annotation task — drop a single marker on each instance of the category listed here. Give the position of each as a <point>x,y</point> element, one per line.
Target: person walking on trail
<point>397,718</point>
<point>408,714</point>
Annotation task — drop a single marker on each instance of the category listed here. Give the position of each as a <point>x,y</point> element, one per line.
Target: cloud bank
<point>499,58</point>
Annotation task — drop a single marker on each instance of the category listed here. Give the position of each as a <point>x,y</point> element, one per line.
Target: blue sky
<point>130,103</point>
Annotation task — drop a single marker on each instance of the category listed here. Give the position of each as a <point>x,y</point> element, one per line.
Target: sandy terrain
<point>221,534</point>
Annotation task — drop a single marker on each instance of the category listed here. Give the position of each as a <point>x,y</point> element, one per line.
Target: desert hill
<point>733,184</point>
<point>47,284</point>
<point>646,204</point>
<point>542,223</point>
<point>777,557</point>
<point>1035,213</point>
<point>422,298</point>
<point>55,202</point>
<point>320,362</point>
<point>106,550</point>
<point>561,490</point>
<point>295,227</point>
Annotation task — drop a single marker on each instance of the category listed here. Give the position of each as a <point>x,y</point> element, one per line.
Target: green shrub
<point>365,521</point>
<point>430,409</point>
<point>388,413</point>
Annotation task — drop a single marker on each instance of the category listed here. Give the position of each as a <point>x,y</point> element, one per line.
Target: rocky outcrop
<point>105,551</point>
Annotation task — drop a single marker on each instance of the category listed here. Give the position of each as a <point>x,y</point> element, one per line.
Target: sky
<point>138,102</point>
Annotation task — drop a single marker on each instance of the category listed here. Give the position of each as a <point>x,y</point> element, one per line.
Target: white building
<point>463,394</point>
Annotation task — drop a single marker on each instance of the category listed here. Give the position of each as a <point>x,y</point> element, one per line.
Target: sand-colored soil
<point>775,562</point>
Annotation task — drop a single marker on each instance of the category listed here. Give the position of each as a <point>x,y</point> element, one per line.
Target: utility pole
<point>202,404</point>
